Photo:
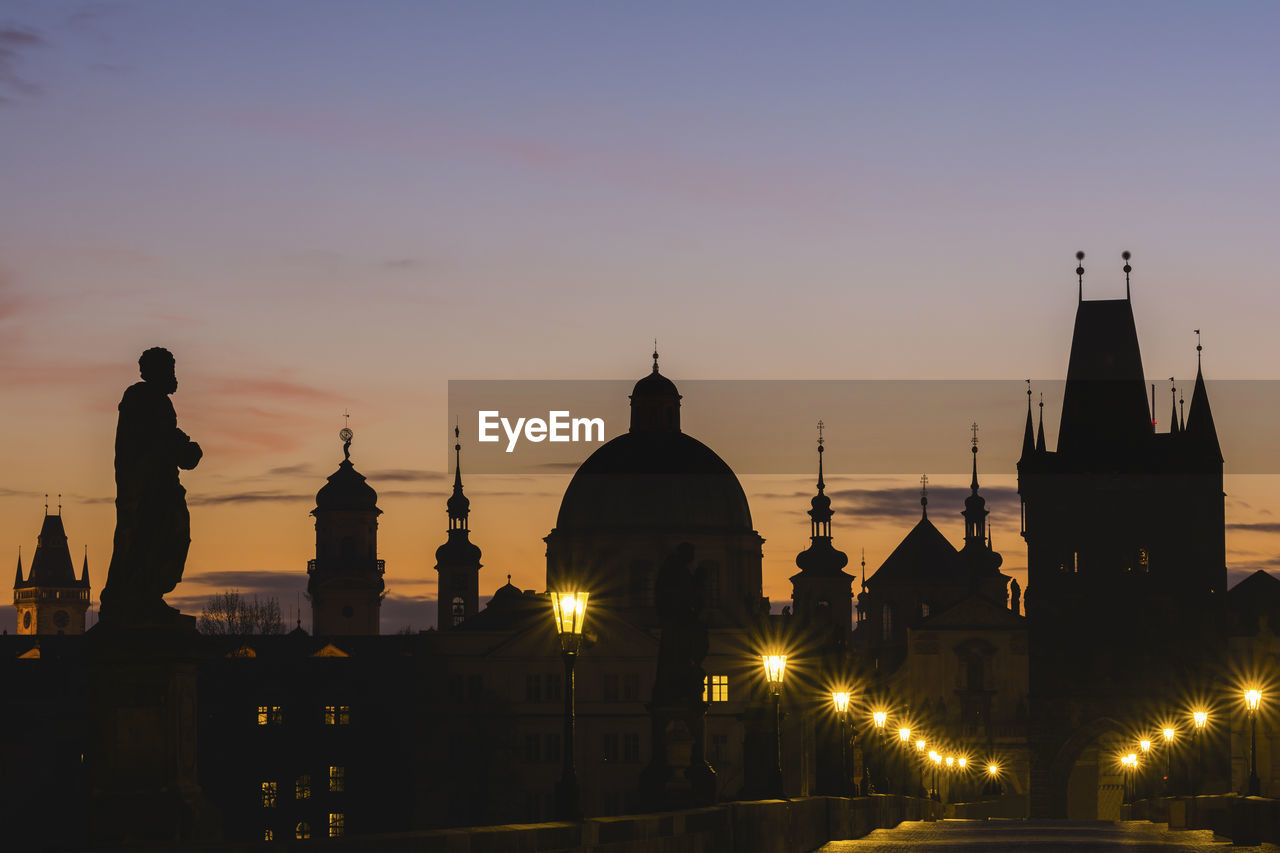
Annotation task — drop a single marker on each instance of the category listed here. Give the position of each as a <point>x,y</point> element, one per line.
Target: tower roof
<point>51,565</point>
<point>1104,405</point>
<point>821,557</point>
<point>923,556</point>
<point>655,402</point>
<point>346,488</point>
<point>1201,431</point>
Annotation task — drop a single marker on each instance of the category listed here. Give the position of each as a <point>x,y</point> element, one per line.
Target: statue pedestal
<point>143,738</point>
<point>678,777</point>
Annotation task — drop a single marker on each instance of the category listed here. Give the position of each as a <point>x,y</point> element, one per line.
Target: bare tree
<point>232,613</point>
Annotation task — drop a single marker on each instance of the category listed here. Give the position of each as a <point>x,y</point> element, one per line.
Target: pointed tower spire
<point>1127,269</point>
<point>864,569</point>
<point>1028,435</point>
<point>1201,432</point>
<point>458,505</point>
<point>1173,402</point>
<point>18,580</point>
<point>1182,412</point>
<point>924,496</point>
<point>1080,272</point>
<point>975,506</point>
<point>84,569</point>
<point>821,557</point>
<point>458,559</point>
<point>655,355</point>
<point>1040,428</point>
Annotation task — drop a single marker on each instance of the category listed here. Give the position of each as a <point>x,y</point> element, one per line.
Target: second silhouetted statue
<point>153,527</point>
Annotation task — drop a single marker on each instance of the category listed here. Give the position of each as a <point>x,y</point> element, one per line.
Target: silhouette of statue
<point>153,527</point>
<point>678,594</point>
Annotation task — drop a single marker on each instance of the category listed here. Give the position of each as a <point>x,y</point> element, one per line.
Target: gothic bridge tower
<point>51,600</point>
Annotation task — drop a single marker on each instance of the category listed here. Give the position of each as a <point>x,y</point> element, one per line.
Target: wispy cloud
<point>276,389</point>
<point>405,475</point>
<point>896,504</point>
<point>14,42</point>
<point>1257,527</point>
<point>262,496</point>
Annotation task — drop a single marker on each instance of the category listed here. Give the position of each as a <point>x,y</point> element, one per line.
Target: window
<point>531,748</point>
<point>630,686</point>
<point>270,715</point>
<point>611,687</point>
<point>302,788</point>
<point>268,795</point>
<point>337,824</point>
<point>337,778</point>
<point>553,687</point>
<point>337,715</point>
<point>611,747</point>
<point>268,835</point>
<point>302,830</point>
<point>459,609</point>
<point>716,688</point>
<point>551,748</point>
<point>631,747</point>
<point>924,610</point>
<point>475,686</point>
<point>532,687</point>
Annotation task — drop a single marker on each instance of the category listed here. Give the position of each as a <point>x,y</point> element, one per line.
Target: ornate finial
<point>864,569</point>
<point>457,436</point>
<point>821,426</point>
<point>924,495</point>
<point>346,435</point>
<point>1080,272</point>
<point>1028,397</point>
<point>46,503</point>
<point>508,578</point>
<point>821,484</point>
<point>655,355</point>
<point>1153,407</point>
<point>974,428</point>
<point>1127,269</point>
<point>59,504</point>
<point>1198,347</point>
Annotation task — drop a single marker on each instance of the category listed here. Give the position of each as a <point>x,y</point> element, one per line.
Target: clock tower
<point>51,600</point>
<point>458,559</point>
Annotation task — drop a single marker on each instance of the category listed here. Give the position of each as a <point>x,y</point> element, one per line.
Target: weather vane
<point>346,435</point>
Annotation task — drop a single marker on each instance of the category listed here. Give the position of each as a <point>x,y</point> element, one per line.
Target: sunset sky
<point>323,206</point>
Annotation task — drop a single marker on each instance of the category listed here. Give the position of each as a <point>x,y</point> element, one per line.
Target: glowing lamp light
<point>934,756</point>
<point>1145,745</point>
<point>1168,734</point>
<point>1200,718</point>
<point>1130,760</point>
<point>879,718</point>
<point>951,761</point>
<point>841,700</point>
<point>904,735</point>
<point>993,769</point>
<point>570,612</point>
<point>1252,698</point>
<point>962,761</point>
<point>775,667</point>
<point>920,745</point>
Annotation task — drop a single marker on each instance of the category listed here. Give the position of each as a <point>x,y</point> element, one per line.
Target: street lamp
<point>841,701</point>
<point>775,669</point>
<point>878,720</point>
<point>1141,779</point>
<point>1169,734</point>
<point>1129,762</point>
<point>937,760</point>
<point>1200,719</point>
<point>1252,698</point>
<point>570,612</point>
<point>993,778</point>
<point>920,745</point>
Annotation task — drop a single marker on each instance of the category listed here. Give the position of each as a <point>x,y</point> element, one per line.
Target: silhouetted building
<point>1126,561</point>
<point>639,496</point>
<point>51,600</point>
<point>345,582</point>
<point>458,559</point>
<point>822,592</point>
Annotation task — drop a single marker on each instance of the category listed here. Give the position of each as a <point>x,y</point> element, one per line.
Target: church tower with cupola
<point>822,591</point>
<point>344,581</point>
<point>51,600</point>
<point>458,559</point>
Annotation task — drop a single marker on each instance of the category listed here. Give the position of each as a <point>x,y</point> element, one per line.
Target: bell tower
<point>457,560</point>
<point>51,600</point>
<point>822,590</point>
<point>345,582</point>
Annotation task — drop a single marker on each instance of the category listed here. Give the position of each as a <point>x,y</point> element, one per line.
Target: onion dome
<point>346,488</point>
<point>821,557</point>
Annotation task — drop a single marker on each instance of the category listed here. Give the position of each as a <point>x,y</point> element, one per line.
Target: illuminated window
<point>715,688</point>
<point>337,715</point>
<point>302,788</point>
<point>270,715</point>
<point>1144,559</point>
<point>337,779</point>
<point>459,609</point>
<point>268,795</point>
<point>337,823</point>
<point>302,830</point>
<point>268,835</point>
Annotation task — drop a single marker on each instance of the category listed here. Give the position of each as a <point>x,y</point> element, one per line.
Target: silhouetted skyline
<point>319,209</point>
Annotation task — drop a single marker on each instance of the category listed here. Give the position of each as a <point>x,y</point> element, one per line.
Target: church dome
<point>347,490</point>
<point>458,550</point>
<point>655,385</point>
<point>655,481</point>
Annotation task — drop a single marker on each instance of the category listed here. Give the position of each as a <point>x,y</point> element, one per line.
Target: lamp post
<point>1130,763</point>
<point>1145,746</point>
<point>1169,734</point>
<point>937,761</point>
<point>1199,718</point>
<point>570,612</point>
<point>878,720</point>
<point>904,741</point>
<point>920,756</point>
<point>993,776</point>
<point>840,699</point>
<point>775,667</point>
<point>1252,698</point>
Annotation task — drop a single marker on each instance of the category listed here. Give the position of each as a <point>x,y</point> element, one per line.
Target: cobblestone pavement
<point>1009,836</point>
